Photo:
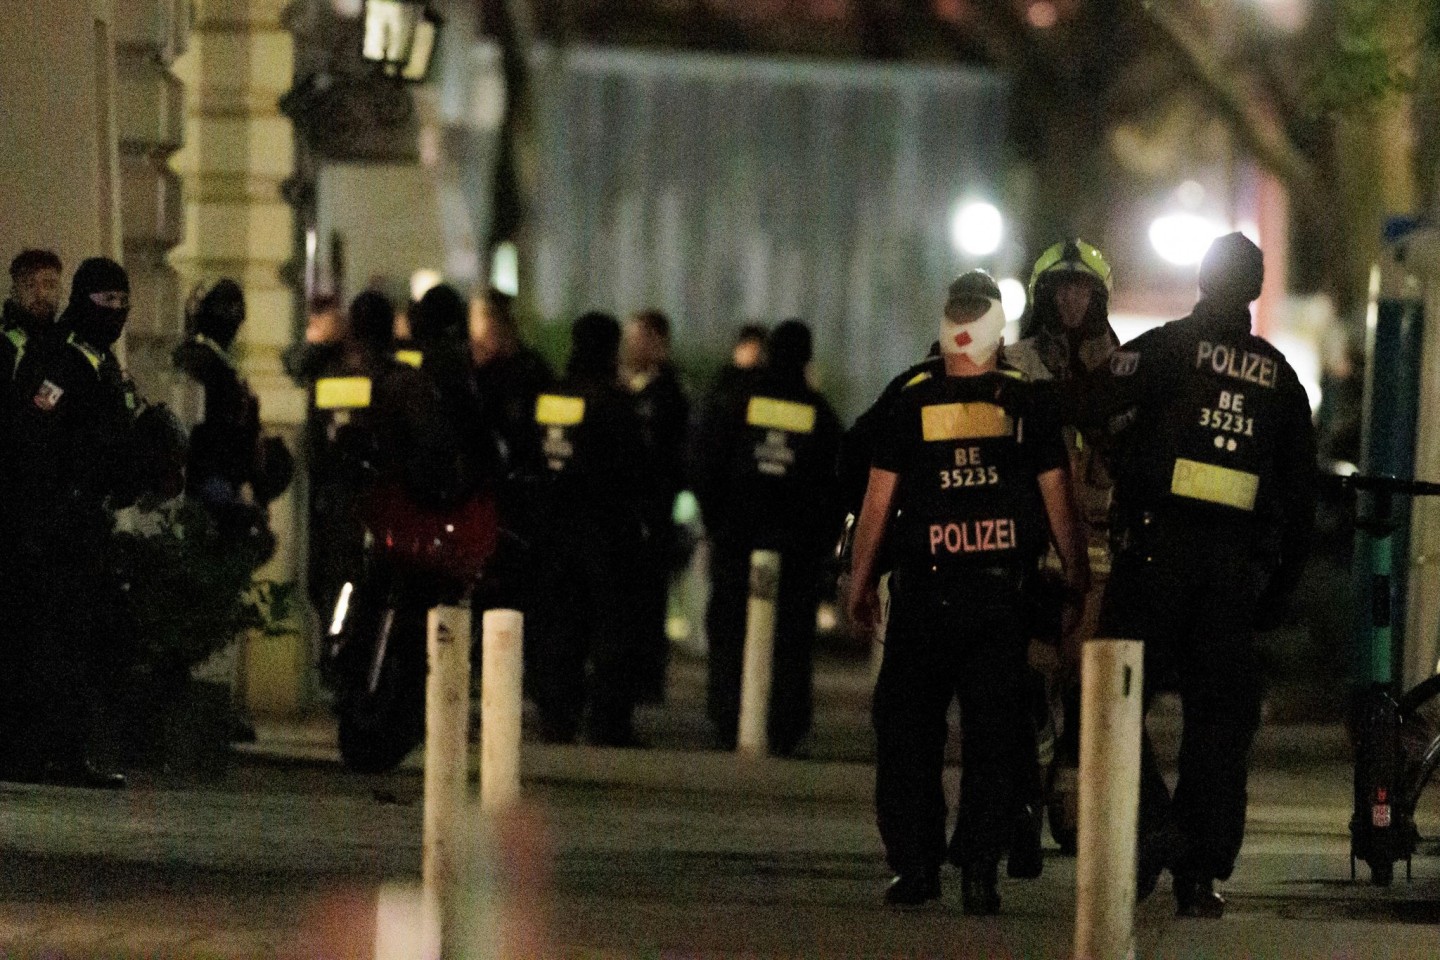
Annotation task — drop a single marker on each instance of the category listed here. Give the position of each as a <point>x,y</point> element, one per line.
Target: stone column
<point>238,150</point>
<point>149,35</point>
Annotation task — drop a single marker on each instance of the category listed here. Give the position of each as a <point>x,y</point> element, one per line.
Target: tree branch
<point>1260,132</point>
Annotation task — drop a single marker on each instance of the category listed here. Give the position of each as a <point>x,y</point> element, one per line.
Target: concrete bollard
<point>1111,715</point>
<point>755,680</point>
<point>447,720</point>
<point>500,707</point>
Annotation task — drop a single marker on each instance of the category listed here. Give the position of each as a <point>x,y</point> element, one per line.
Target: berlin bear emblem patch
<point>47,396</point>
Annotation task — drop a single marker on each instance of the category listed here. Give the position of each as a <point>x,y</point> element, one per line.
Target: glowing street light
<point>977,229</point>
<point>1183,238</point>
<point>1012,298</point>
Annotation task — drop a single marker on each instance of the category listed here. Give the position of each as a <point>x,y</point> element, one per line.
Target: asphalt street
<point>661,853</point>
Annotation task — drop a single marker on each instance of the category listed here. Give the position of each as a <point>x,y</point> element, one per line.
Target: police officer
<point>970,483</point>
<point>664,417</point>
<point>71,461</point>
<point>30,310</point>
<point>765,480</point>
<point>1214,502</point>
<point>588,528</point>
<point>230,468</point>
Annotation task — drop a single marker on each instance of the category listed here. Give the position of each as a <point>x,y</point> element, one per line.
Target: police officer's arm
<point>1297,479</point>
<point>875,515</point>
<point>1102,404</point>
<point>1067,531</point>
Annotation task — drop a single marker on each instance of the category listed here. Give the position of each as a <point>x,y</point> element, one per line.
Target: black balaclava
<point>595,347</point>
<point>220,312</point>
<point>1232,272</point>
<point>789,349</point>
<point>93,324</point>
<point>372,321</point>
<point>441,312</point>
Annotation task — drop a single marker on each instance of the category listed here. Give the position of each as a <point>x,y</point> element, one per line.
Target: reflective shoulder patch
<point>342,393</point>
<point>1124,363</point>
<point>787,415</point>
<point>964,421</point>
<point>555,410</point>
<point>1205,481</point>
<point>1014,374</point>
<point>919,378</point>
<point>411,358</point>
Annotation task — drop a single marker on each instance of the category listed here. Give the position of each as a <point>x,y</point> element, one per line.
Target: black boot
<point>1156,852</point>
<point>1025,861</point>
<point>978,896</point>
<point>1197,898</point>
<point>913,889</point>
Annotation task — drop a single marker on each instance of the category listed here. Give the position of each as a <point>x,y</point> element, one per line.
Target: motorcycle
<point>374,655</point>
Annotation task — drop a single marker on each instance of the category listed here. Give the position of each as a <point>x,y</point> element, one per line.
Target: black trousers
<point>586,650</point>
<point>1189,593</point>
<point>966,641</point>
<point>791,693</point>
<point>63,634</point>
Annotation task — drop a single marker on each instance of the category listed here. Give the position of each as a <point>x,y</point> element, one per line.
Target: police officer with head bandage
<point>1214,457</point>
<point>969,485</point>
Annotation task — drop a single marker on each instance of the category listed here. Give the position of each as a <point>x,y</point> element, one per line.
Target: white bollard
<point>1111,715</point>
<point>755,680</point>
<point>447,720</point>
<point>500,707</point>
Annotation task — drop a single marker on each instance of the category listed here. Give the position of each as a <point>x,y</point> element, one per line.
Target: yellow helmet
<point>1071,258</point>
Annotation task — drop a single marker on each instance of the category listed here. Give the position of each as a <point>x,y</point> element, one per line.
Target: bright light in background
<point>977,229</point>
<point>1012,298</point>
<point>505,269</point>
<point>1183,238</point>
<point>422,281</point>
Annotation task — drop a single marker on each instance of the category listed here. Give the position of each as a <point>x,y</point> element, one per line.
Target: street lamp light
<point>1183,238</point>
<point>400,37</point>
<point>977,229</point>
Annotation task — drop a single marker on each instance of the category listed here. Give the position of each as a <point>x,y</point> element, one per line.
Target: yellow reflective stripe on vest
<point>92,357</point>
<point>554,410</point>
<point>411,358</point>
<point>342,393</point>
<point>1205,481</point>
<point>920,377</point>
<point>964,421</point>
<point>773,414</point>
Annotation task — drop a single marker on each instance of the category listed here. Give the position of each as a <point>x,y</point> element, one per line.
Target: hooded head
<point>219,311</point>
<point>441,312</point>
<point>372,320</point>
<point>789,348</point>
<point>99,302</point>
<point>974,320</point>
<point>34,289</point>
<point>1232,271</point>
<point>595,347</point>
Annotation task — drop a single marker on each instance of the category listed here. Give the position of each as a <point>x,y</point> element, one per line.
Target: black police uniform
<point>1214,500</point>
<point>664,418</point>
<point>70,460</point>
<point>969,525</point>
<point>765,479</point>
<point>588,532</point>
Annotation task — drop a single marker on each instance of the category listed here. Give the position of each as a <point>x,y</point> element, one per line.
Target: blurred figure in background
<point>664,418</point>
<point>509,375</point>
<point>589,534</point>
<point>765,478</point>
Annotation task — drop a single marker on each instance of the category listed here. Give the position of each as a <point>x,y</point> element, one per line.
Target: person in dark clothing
<point>29,312</point>
<point>588,533</point>
<point>1215,486</point>
<point>970,484</point>
<point>766,481</point>
<point>231,469</point>
<point>438,326</point>
<point>71,461</point>
<point>664,417</point>
<point>509,375</point>
<point>746,356</point>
